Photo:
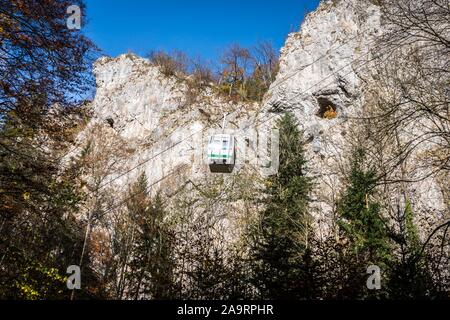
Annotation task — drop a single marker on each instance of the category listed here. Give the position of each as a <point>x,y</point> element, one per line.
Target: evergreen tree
<point>279,245</point>
<point>360,214</point>
<point>150,267</point>
<point>361,222</point>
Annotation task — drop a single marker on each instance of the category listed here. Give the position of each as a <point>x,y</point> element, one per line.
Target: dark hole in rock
<point>247,144</point>
<point>309,139</point>
<point>327,109</point>
<point>110,122</point>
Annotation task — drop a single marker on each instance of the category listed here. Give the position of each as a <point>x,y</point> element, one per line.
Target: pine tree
<point>360,218</point>
<point>360,214</point>
<point>279,245</point>
<point>361,222</point>
<point>150,266</point>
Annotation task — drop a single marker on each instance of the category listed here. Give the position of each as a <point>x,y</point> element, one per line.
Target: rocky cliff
<point>153,126</point>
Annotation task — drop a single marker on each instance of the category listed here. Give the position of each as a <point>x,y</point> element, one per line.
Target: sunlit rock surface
<point>164,133</point>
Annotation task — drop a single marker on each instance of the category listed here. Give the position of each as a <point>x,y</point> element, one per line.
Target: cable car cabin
<point>221,153</point>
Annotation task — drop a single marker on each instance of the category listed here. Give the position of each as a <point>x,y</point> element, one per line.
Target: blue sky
<point>199,27</point>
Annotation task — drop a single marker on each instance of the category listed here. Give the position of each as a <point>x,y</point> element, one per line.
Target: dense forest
<point>150,249</point>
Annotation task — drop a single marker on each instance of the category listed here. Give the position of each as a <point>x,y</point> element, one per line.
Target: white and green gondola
<point>221,153</point>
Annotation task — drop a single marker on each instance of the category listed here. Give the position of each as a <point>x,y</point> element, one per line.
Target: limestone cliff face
<point>159,129</point>
<point>325,74</point>
<point>319,81</point>
<point>152,116</point>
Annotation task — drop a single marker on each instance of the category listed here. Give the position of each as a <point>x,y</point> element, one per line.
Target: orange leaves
<point>330,113</point>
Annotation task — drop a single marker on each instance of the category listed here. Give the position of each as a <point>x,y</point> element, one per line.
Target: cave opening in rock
<point>327,109</point>
<point>110,121</point>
